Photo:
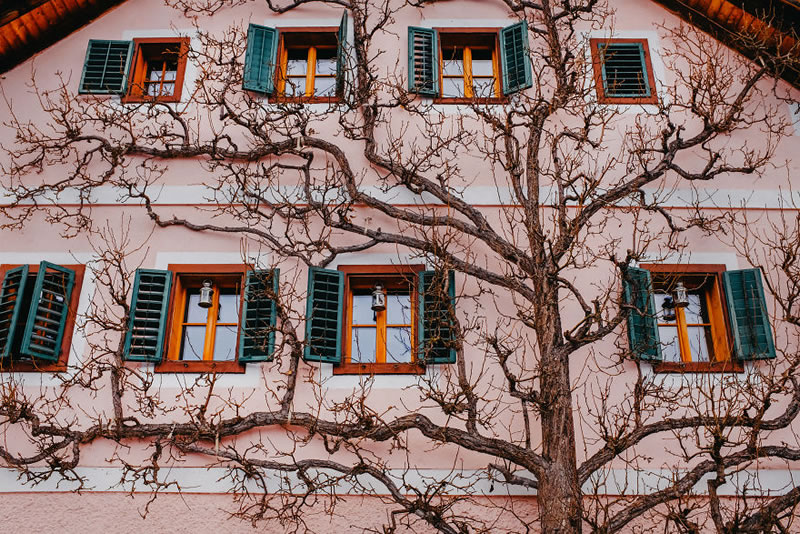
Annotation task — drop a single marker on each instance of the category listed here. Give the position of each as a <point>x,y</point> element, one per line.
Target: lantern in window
<point>681,296</point>
<point>206,295</point>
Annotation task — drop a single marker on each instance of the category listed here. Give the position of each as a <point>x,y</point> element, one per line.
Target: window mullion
<point>469,90</point>
<point>211,324</point>
<point>311,70</point>
<point>683,335</point>
<point>380,337</point>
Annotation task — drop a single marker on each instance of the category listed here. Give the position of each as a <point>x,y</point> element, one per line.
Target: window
<point>298,64</point>
<point>144,70</point>
<point>211,317</point>
<point>38,305</point>
<point>474,63</point>
<point>686,316</point>
<point>412,326</point>
<point>623,72</point>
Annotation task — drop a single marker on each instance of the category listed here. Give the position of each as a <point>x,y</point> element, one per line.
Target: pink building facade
<point>354,268</point>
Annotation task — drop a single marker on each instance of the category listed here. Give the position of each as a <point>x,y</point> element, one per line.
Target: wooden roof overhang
<point>751,27</point>
<point>29,26</point>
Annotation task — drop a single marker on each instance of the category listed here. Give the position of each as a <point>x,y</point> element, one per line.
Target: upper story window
<point>697,317</point>
<point>468,65</point>
<point>380,318</point>
<point>209,317</point>
<point>297,64</point>
<point>623,71</point>
<point>38,305</point>
<point>144,70</point>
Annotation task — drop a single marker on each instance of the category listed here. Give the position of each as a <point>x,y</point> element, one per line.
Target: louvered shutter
<point>11,312</point>
<point>259,315</point>
<point>341,56</point>
<point>747,310</point>
<point>437,304</point>
<point>260,59</point>
<point>105,70</point>
<point>624,71</point>
<point>144,341</point>
<point>423,68</point>
<point>47,317</point>
<point>515,57</point>
<point>324,311</point>
<point>642,321</point>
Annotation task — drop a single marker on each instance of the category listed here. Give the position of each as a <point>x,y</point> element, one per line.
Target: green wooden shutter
<point>260,59</point>
<point>624,71</point>
<point>423,66</point>
<point>324,315</point>
<point>515,57</point>
<point>437,304</point>
<point>341,56</point>
<point>747,310</point>
<point>47,318</point>
<point>147,326</point>
<point>259,315</point>
<point>11,307</point>
<point>642,322</point>
<point>105,70</point>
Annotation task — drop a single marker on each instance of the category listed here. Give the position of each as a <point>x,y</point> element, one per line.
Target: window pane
<point>698,341</point>
<point>483,87</point>
<point>363,345</point>
<point>670,349</point>
<point>194,313</point>
<point>482,64</point>
<point>194,338</point>
<point>228,307</point>
<point>295,86</point>
<point>659,300</point>
<point>695,312</point>
<point>398,309</point>
<point>167,89</point>
<point>326,61</point>
<point>453,87</point>
<point>362,310</point>
<point>324,86</point>
<point>398,345</point>
<point>297,61</point>
<point>453,61</point>
<point>225,343</point>
<point>170,75</point>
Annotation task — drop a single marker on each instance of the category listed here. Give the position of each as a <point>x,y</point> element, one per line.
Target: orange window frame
<point>469,39</point>
<point>597,69</point>
<point>69,326</point>
<point>709,279</point>
<point>311,40</point>
<point>393,277</point>
<point>188,277</point>
<point>143,54</point>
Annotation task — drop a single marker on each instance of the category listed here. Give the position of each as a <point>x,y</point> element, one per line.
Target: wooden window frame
<point>499,97</point>
<point>138,70</point>
<point>172,362</point>
<point>311,42</point>
<point>388,271</point>
<point>34,365</point>
<point>597,66</point>
<point>721,354</point>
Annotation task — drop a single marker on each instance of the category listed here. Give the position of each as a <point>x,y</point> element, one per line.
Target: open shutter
<point>11,306</point>
<point>341,56</point>
<point>423,68</point>
<point>642,321</point>
<point>437,304</point>
<point>147,326</point>
<point>515,57</point>
<point>105,70</point>
<point>624,71</point>
<point>260,59</point>
<point>324,310</point>
<point>747,310</point>
<point>259,315</point>
<point>47,318</point>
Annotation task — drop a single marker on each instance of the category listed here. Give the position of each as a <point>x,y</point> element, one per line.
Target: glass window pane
<point>482,64</point>
<point>659,303</point>
<point>154,71</point>
<point>362,310</point>
<point>453,87</point>
<point>694,311</point>
<point>324,86</point>
<point>194,313</point>
<point>483,87</point>
<point>453,61</point>
<point>228,307</point>
<point>326,61</point>
<point>194,338</point>
<point>398,309</point>
<point>398,345</point>
<point>297,61</point>
<point>363,345</point>
<point>295,86</point>
<point>225,343</point>
<point>167,89</point>
<point>698,341</point>
<point>170,75</point>
<point>670,349</point>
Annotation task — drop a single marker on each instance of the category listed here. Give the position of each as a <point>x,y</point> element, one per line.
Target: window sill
<point>699,367</point>
<point>208,367</point>
<point>378,369</point>
<point>308,100</point>
<point>32,367</point>
<point>471,101</point>
<point>648,100</point>
<point>136,99</point>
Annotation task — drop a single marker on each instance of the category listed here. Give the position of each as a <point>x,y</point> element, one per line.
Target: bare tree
<point>546,391</point>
